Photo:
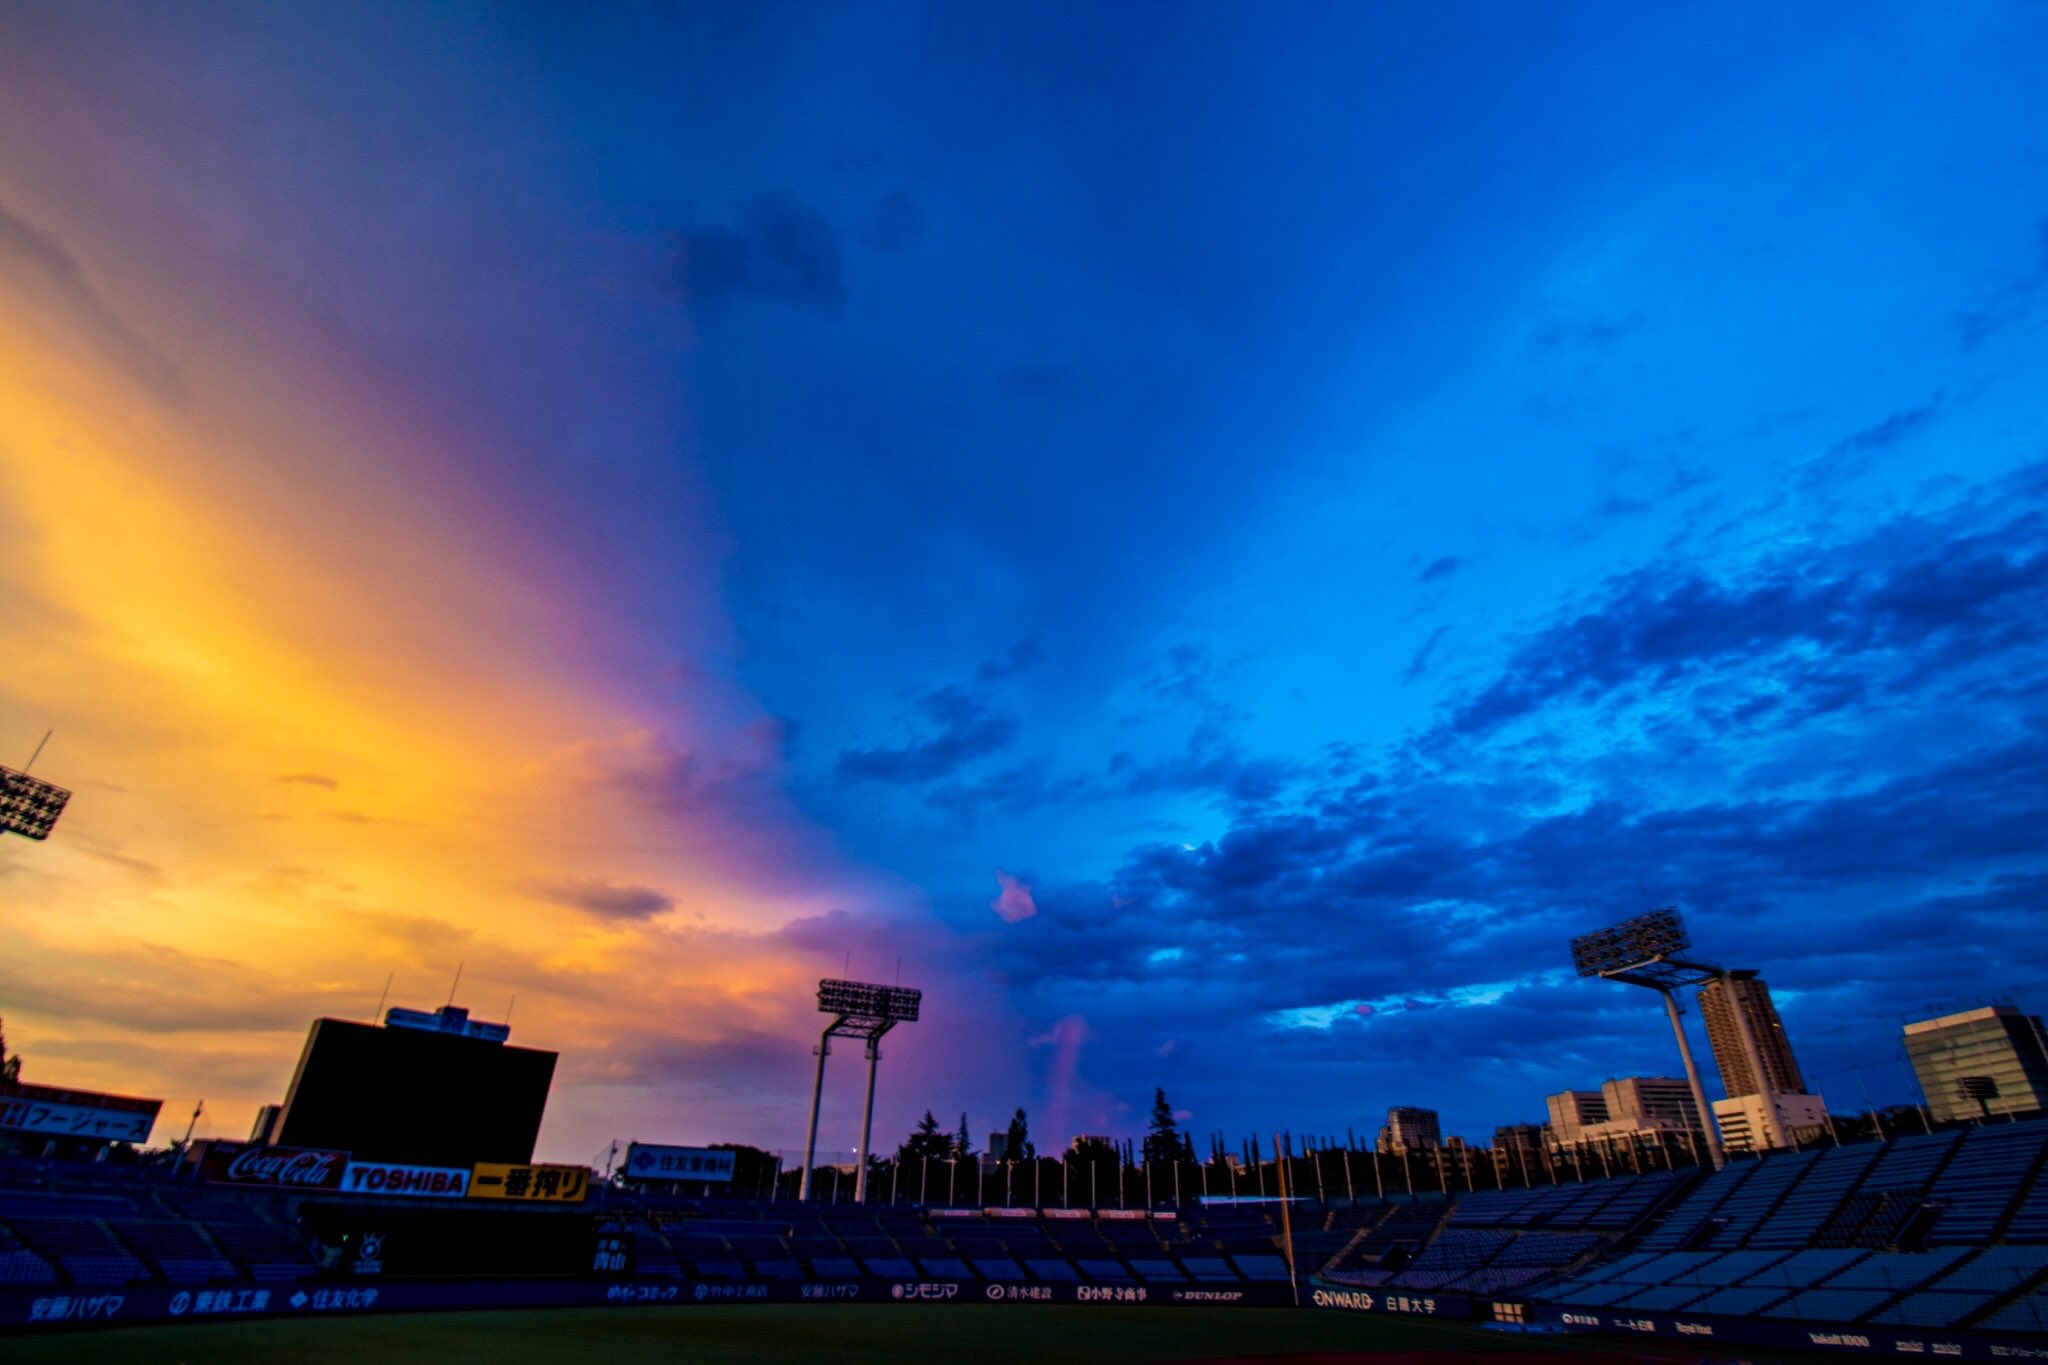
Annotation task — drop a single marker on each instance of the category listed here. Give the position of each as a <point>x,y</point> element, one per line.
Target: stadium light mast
<point>858,1010</point>
<point>1644,951</point>
<point>29,806</point>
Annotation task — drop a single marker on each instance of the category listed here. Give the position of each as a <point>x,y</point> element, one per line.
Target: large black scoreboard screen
<point>415,1096</point>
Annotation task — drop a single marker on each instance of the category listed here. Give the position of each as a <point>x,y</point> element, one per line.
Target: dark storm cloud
<point>39,258</point>
<point>1976,593</point>
<point>606,899</point>
<point>1442,567</point>
<point>965,729</point>
<point>1850,882</point>
<point>777,248</point>
<point>897,223</point>
<point>1044,383</point>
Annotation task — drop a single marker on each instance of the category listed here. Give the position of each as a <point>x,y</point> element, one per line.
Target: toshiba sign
<point>416,1182</point>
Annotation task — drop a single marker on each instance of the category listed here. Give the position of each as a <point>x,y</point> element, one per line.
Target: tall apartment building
<point>1411,1130</point>
<point>1574,1111</point>
<point>1989,1061</point>
<point>1720,998</point>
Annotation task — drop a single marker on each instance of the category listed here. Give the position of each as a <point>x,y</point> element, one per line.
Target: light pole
<point>1642,952</point>
<point>864,1011</point>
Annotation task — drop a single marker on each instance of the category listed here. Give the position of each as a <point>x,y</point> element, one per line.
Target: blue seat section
<point>1806,1210</point>
<point>1158,1272</point>
<point>1545,1249</point>
<point>1263,1268</point>
<point>1209,1269</point>
<point>1738,1266</point>
<point>1614,1269</point>
<point>995,1267</point>
<point>835,1268</point>
<point>1100,1270</point>
<point>1742,1301</point>
<point>1661,1298</point>
<point>1804,1269</point>
<point>1671,1267</point>
<point>1995,1270</point>
<point>1894,1272</point>
<point>1828,1305</point>
<point>1745,1210</point>
<point>946,1268</point>
<point>896,1268</point>
<point>1910,1162</point>
<point>1982,1182</point>
<point>2030,1220</point>
<point>1694,1210</point>
<point>1581,1295</point>
<point>1931,1309</point>
<point>1635,1198</point>
<point>1052,1271</point>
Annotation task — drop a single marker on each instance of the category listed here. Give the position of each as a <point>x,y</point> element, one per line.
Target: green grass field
<point>865,1334</point>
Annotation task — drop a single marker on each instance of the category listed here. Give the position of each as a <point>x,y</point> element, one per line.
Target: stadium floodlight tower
<point>1644,951</point>
<point>858,1010</point>
<point>29,806</point>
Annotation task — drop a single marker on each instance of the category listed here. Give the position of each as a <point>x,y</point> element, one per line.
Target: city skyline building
<point>1410,1129</point>
<point>1720,999</point>
<point>1572,1112</point>
<point>1743,1128</point>
<point>1980,1063</point>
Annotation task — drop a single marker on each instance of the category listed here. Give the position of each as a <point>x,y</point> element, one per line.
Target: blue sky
<point>1322,504</point>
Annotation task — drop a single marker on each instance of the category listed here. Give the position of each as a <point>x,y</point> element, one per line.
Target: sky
<point>1210,539</point>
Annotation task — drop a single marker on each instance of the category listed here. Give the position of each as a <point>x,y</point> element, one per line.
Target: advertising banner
<point>255,1163</point>
<point>651,1161</point>
<point>532,1183</point>
<point>46,1117</point>
<point>412,1182</point>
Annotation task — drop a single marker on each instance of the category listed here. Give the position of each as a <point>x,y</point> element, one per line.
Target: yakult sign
<point>413,1182</point>
<point>296,1168</point>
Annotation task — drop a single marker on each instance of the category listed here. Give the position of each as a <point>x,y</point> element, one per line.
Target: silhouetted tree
<point>1162,1143</point>
<point>1017,1141</point>
<point>926,1140</point>
<point>963,1143</point>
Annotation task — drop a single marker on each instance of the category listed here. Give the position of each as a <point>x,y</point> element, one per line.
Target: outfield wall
<point>22,1310</point>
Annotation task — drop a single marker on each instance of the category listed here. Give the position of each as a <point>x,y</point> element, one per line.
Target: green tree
<point>1017,1141</point>
<point>1162,1142</point>
<point>926,1140</point>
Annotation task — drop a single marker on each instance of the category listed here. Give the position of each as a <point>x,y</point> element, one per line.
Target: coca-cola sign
<point>295,1168</point>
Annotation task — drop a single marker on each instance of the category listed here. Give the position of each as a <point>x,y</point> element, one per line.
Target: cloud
<point>1440,568</point>
<point>1023,656</point>
<point>2013,301</point>
<point>966,730</point>
<point>1045,383</point>
<point>1857,453</point>
<point>897,223</point>
<point>608,900</point>
<point>1013,904</point>
<point>34,257</point>
<point>309,780</point>
<point>1587,332</point>
<point>777,248</point>
<point>1419,665</point>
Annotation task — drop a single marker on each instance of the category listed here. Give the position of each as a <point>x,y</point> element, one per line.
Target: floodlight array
<point>28,805</point>
<point>862,1000</point>
<point>1646,938</point>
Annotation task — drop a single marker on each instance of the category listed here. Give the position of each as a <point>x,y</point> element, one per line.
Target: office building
<point>1720,999</point>
<point>1741,1120</point>
<point>1411,1130</point>
<point>1980,1063</point>
<point>1572,1112</point>
<point>1649,1104</point>
<point>1518,1152</point>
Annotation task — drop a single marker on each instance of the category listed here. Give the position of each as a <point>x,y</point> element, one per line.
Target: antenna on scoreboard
<point>457,981</point>
<point>385,996</point>
<point>509,1003</point>
<point>39,751</point>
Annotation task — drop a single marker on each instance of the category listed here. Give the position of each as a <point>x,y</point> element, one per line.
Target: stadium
<point>1145,573</point>
<point>1929,1244</point>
